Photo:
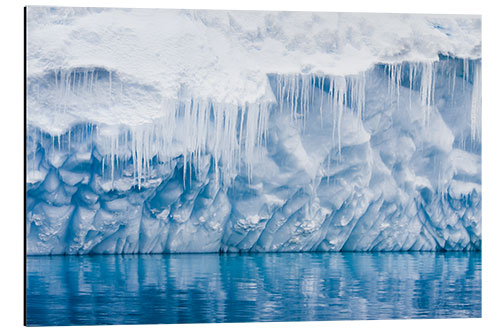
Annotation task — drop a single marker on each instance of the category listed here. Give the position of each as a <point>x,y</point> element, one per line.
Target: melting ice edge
<point>385,160</point>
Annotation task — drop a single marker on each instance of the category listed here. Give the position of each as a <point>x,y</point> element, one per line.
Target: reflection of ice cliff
<point>387,159</point>
<point>268,287</point>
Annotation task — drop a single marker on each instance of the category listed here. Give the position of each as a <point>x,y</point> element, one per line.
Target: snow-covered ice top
<point>219,56</point>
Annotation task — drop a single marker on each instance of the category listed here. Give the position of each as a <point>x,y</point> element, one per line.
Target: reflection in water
<point>194,288</point>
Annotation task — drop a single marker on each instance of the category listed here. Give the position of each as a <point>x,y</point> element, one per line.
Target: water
<point>194,288</point>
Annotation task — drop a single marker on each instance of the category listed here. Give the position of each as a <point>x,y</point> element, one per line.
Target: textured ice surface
<point>227,131</point>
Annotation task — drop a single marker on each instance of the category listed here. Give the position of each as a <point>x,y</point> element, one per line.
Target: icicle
<point>339,99</point>
<point>389,79</point>
<point>357,87</point>
<point>427,90</point>
<point>110,84</point>
<point>241,136</point>
<point>453,87</point>
<point>466,71</point>
<point>398,81</point>
<point>411,78</point>
<point>69,140</point>
<point>56,73</point>
<point>476,104</point>
<point>321,99</point>
<point>251,130</point>
<point>295,95</point>
<point>303,99</point>
<point>394,80</point>
<point>102,167</point>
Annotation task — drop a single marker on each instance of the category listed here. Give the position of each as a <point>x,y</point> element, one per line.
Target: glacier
<point>285,132</point>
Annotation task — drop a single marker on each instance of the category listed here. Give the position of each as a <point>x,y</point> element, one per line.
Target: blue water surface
<point>202,288</point>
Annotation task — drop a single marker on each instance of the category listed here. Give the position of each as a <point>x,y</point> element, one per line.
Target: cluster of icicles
<point>192,129</point>
<point>231,135</point>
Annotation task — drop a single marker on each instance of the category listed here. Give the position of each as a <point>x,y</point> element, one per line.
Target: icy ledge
<point>385,160</point>
<point>225,56</point>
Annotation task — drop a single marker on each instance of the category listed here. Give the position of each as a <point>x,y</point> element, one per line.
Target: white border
<point>11,200</point>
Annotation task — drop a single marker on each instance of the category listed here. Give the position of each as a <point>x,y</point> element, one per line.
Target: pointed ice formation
<point>475,113</point>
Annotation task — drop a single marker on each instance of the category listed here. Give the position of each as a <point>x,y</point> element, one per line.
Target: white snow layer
<point>200,131</point>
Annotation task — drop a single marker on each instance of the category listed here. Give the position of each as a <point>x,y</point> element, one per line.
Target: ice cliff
<point>204,131</point>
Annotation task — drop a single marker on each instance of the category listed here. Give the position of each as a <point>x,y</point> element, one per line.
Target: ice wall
<point>386,159</point>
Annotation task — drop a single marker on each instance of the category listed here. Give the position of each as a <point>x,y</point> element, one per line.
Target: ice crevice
<point>384,159</point>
